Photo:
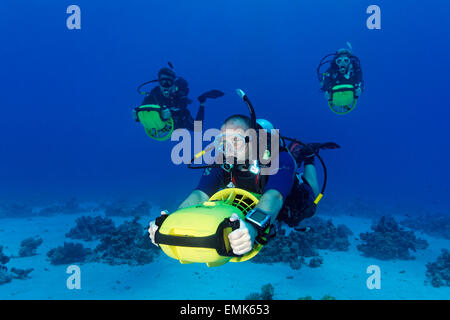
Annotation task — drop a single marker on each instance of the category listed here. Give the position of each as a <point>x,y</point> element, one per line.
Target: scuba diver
<point>170,100</point>
<point>286,195</point>
<point>342,82</point>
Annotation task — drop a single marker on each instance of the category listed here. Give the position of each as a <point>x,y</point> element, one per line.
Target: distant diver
<point>342,82</point>
<point>165,107</point>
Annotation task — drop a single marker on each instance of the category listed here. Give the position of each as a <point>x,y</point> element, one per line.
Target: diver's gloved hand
<point>165,114</point>
<point>135,115</point>
<point>241,240</point>
<point>153,227</point>
<point>305,153</point>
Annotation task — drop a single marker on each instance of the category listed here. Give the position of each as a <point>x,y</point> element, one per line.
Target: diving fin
<point>327,145</point>
<point>211,94</point>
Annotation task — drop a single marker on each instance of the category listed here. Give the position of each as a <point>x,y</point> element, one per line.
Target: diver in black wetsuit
<point>171,95</point>
<point>344,68</point>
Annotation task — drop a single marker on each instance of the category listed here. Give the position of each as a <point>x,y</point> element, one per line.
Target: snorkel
<point>253,167</point>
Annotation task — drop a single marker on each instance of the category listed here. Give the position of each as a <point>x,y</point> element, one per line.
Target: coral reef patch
<point>436,225</point>
<point>438,272</point>
<point>297,245</point>
<point>389,241</point>
<point>70,253</point>
<point>29,246</point>
<point>90,228</point>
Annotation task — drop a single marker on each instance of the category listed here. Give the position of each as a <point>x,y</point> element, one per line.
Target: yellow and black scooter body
<point>342,99</point>
<point>149,116</point>
<point>206,224</point>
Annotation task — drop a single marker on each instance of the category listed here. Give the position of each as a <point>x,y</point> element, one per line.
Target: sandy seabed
<point>342,275</point>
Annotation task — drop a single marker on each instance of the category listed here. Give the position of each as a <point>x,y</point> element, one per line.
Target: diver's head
<point>166,78</point>
<point>343,59</point>
<point>233,140</point>
<point>343,62</point>
<point>181,87</point>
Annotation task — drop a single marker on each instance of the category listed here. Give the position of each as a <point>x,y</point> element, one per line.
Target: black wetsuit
<point>333,76</point>
<point>178,108</point>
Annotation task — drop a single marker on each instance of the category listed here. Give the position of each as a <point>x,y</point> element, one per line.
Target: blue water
<point>66,95</point>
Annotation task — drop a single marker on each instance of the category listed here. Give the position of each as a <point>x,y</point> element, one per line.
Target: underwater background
<point>66,130</point>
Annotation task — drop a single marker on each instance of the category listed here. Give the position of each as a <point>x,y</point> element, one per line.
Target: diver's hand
<point>241,240</point>
<point>305,153</point>
<point>153,227</point>
<point>327,95</point>
<point>134,115</point>
<point>165,113</point>
<point>358,92</point>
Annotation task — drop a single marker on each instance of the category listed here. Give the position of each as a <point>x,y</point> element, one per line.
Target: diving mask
<point>343,61</point>
<point>165,82</point>
<point>230,143</point>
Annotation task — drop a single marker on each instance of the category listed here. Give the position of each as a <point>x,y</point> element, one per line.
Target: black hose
<point>144,84</point>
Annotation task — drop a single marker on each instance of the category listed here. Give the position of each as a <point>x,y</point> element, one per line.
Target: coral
<point>90,228</point>
<point>3,258</point>
<point>439,271</point>
<point>21,273</point>
<point>28,246</point>
<point>267,292</point>
<point>126,244</point>
<point>123,209</point>
<point>5,276</point>
<point>253,296</point>
<point>297,263</point>
<point>298,244</point>
<point>69,253</point>
<point>389,241</point>
<point>286,249</point>
<point>324,235</point>
<point>432,224</point>
<point>316,262</point>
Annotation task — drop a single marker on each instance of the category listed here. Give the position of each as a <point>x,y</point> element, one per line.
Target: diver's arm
<point>196,197</point>
<point>310,174</point>
<point>326,80</point>
<point>271,202</point>
<point>359,77</point>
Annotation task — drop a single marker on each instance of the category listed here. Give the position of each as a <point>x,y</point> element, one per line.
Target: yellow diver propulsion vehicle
<point>199,234</point>
<point>150,117</point>
<point>342,99</point>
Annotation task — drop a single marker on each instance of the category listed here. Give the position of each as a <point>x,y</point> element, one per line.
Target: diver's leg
<point>299,205</point>
<point>310,175</point>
